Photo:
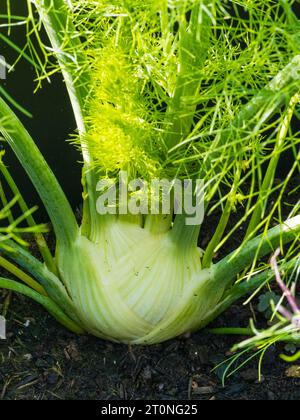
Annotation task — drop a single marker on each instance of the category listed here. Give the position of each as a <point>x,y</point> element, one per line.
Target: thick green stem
<point>158,224</point>
<point>43,179</point>
<point>237,292</point>
<point>13,269</point>
<point>47,303</point>
<point>185,236</point>
<point>231,331</point>
<point>194,44</point>
<point>56,17</point>
<point>209,252</point>
<point>236,262</point>
<point>48,280</point>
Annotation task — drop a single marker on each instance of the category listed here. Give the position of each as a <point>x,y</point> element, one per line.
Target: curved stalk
<point>237,292</point>
<point>14,103</point>
<point>43,179</point>
<point>29,281</point>
<point>47,303</point>
<point>52,284</point>
<point>5,205</point>
<point>283,87</point>
<point>56,18</point>
<point>237,261</point>
<point>185,236</point>
<point>223,222</point>
<point>240,290</point>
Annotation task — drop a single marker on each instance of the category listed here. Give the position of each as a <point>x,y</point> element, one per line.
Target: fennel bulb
<point>136,287</point>
<point>162,90</point>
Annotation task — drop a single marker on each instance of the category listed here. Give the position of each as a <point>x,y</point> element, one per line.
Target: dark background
<point>52,123</point>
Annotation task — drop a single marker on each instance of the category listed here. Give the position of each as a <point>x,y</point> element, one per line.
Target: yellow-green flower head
<point>121,136</point>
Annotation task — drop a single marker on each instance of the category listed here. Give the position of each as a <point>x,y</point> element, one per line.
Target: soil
<point>40,360</point>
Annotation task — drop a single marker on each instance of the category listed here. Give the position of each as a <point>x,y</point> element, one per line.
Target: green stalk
<point>14,102</point>
<point>231,331</point>
<point>223,222</point>
<point>5,204</point>
<point>52,284</point>
<point>193,50</point>
<point>236,262</point>
<point>270,174</point>
<point>56,18</point>
<point>158,224</point>
<point>185,236</point>
<point>293,19</point>
<point>21,52</point>
<point>47,303</point>
<point>240,290</point>
<point>29,281</point>
<point>50,192</point>
<point>237,292</point>
<point>40,240</point>
<point>214,242</point>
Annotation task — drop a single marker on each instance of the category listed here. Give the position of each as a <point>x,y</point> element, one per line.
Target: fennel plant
<point>284,325</point>
<point>193,89</point>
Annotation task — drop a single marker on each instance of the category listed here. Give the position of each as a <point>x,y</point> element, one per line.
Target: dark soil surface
<point>41,360</point>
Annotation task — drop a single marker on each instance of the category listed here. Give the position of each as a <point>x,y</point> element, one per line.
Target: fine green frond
<point>13,228</point>
<point>27,215</point>
<point>158,49</point>
<point>282,330</point>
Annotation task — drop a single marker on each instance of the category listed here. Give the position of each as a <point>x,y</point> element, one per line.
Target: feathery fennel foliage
<point>164,89</point>
<point>284,325</point>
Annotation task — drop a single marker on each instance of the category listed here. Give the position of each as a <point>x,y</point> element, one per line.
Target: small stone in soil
<point>203,390</point>
<point>293,372</point>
